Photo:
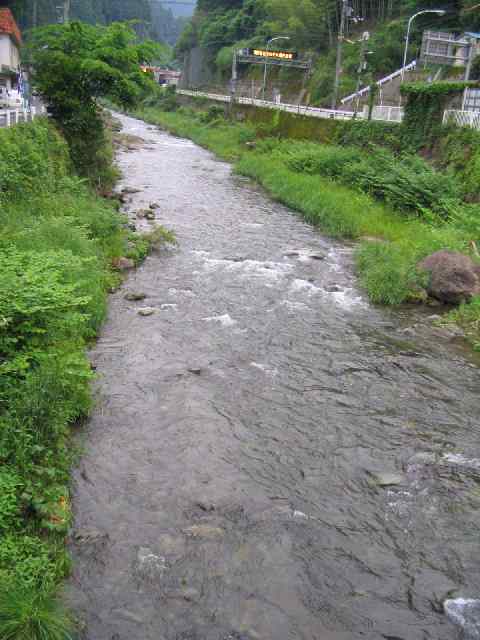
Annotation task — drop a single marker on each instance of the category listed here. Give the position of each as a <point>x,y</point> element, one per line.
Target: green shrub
<point>30,614</point>
<point>10,485</point>
<point>407,183</point>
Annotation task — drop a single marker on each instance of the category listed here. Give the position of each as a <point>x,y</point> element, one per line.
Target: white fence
<point>303,110</point>
<point>388,114</point>
<point>11,117</point>
<point>462,118</point>
<point>384,113</point>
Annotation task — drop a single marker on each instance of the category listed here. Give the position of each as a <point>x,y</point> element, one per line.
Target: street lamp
<point>439,12</point>
<point>265,69</point>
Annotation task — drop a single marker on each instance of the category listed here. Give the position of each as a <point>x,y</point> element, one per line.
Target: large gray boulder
<point>453,277</point>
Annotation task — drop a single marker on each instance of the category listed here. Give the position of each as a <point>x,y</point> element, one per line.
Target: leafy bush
<point>408,184</point>
<point>10,485</point>
<point>29,614</point>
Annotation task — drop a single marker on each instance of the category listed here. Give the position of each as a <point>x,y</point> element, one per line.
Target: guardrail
<point>381,82</point>
<point>304,110</point>
<point>11,117</point>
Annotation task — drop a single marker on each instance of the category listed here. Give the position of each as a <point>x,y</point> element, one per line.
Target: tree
<point>74,65</point>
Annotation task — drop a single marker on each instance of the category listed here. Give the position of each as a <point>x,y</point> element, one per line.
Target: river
<point>270,457</point>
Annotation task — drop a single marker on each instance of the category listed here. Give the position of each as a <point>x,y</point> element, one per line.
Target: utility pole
<point>338,64</point>
<point>35,13</point>
<point>361,67</point>
<point>233,82</point>
<point>66,11</point>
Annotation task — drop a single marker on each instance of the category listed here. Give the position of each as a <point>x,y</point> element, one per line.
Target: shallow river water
<point>271,457</point>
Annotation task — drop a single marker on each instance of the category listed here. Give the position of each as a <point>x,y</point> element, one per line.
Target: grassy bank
<point>57,242</point>
<point>400,209</point>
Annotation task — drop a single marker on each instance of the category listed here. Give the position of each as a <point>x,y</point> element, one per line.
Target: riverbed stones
<point>142,213</point>
<point>130,190</point>
<point>146,311</point>
<point>135,296</point>
<point>453,277</point>
<point>154,205</point>
<point>150,215</point>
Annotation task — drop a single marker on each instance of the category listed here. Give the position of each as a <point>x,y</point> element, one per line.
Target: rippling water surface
<point>271,457</point>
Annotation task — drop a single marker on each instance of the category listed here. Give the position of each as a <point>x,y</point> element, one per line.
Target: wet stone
<point>388,479</point>
<point>146,311</point>
<point>130,190</point>
<point>154,205</point>
<point>195,370</point>
<point>204,505</point>
<point>135,295</point>
<point>333,288</point>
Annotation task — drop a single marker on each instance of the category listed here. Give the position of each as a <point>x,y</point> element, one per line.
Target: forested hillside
<point>312,26</point>
<point>154,20</point>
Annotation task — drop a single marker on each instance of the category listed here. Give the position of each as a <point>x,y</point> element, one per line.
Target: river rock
<point>204,505</point>
<point>333,288</point>
<point>135,295</point>
<point>154,205</point>
<point>317,256</point>
<point>387,479</point>
<point>150,215</point>
<point>454,277</point>
<point>142,213</point>
<point>146,311</point>
<point>123,264</point>
<point>130,190</point>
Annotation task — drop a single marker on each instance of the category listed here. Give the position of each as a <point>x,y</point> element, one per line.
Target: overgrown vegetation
<point>398,206</point>
<point>57,242</point>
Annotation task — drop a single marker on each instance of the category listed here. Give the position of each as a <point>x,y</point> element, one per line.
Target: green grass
<point>399,209</point>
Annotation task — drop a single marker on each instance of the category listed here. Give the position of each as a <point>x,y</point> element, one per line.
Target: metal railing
<point>305,110</point>
<point>462,118</point>
<point>381,82</point>
<point>388,114</point>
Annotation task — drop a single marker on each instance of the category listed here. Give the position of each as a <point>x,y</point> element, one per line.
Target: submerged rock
<point>154,205</point>
<point>454,277</point>
<point>387,479</point>
<point>135,295</point>
<point>333,288</point>
<point>146,311</point>
<point>130,190</point>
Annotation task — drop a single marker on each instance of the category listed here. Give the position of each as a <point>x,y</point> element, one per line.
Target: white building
<point>10,41</point>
